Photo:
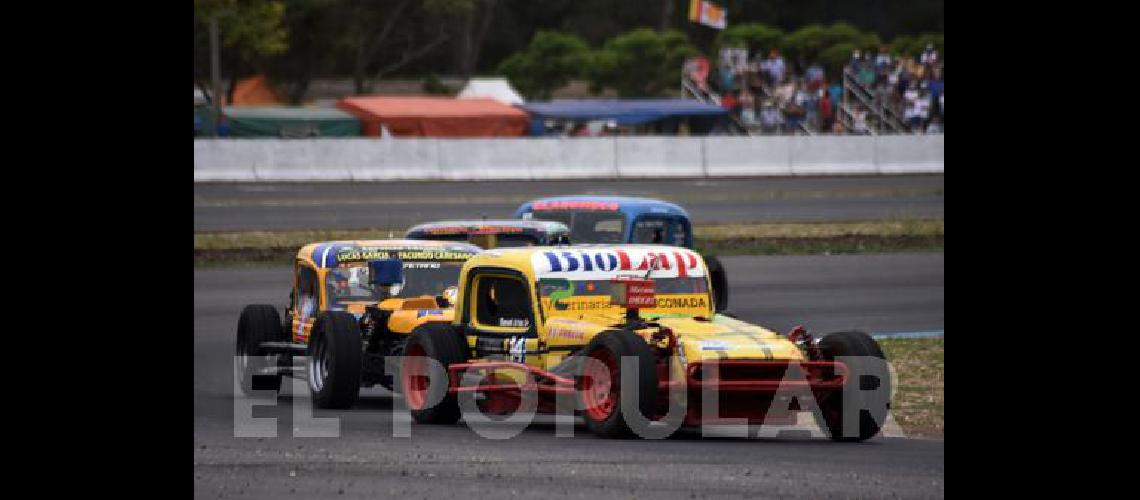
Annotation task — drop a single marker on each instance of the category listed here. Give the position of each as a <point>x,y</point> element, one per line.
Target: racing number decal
<point>517,349</point>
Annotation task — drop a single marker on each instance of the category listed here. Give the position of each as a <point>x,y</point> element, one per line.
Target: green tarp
<point>281,121</point>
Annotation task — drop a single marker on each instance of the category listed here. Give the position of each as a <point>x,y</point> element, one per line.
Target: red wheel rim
<point>414,380</point>
<point>600,385</point>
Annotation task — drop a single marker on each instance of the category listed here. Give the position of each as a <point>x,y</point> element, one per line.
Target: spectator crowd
<point>766,92</point>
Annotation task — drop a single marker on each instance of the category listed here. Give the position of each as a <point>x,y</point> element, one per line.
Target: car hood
<point>724,337</point>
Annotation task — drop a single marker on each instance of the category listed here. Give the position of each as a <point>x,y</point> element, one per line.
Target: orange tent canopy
<point>436,116</point>
<point>255,91</point>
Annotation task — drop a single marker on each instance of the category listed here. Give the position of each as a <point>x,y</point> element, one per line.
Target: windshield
<point>658,230</point>
<point>482,239</point>
<point>350,283</point>
<point>517,240</point>
<point>589,227</point>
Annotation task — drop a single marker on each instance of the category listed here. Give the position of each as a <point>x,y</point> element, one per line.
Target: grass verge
<point>919,402</point>
<point>809,238</point>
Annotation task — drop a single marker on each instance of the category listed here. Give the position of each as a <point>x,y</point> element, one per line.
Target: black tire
<point>868,374</point>
<point>719,282</point>
<point>620,343</point>
<point>335,360</point>
<point>258,323</point>
<point>442,343</point>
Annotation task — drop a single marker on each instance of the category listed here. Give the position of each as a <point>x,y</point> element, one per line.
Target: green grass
<point>812,238</point>
<point>919,402</point>
<point>816,238</point>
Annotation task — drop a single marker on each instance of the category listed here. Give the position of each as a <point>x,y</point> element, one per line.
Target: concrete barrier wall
<point>748,156</point>
<point>659,157</point>
<point>561,158</point>
<point>903,154</point>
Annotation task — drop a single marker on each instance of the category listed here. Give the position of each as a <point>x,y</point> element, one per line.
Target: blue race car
<point>624,219</point>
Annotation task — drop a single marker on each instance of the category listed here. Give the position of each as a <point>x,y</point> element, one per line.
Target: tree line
<point>634,47</point>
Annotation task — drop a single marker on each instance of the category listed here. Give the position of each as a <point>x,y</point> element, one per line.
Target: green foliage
<point>810,42</point>
<point>313,35</point>
<point>805,43</point>
<point>255,30</point>
<point>754,36</point>
<point>914,45</point>
<point>296,41</point>
<point>901,45</point>
<point>835,57</point>
<point>549,62</point>
<point>640,63</point>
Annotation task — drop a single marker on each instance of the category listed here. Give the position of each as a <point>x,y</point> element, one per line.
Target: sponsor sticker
<point>575,205</point>
<point>713,345</point>
<point>566,333</point>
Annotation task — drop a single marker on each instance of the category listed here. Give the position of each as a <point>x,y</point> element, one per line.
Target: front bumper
<point>756,391</point>
<point>759,391</point>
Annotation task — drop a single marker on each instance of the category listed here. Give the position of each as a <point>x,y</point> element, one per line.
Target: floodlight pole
<point>215,76</point>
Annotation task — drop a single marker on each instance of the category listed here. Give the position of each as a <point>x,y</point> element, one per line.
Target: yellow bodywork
<point>701,333</point>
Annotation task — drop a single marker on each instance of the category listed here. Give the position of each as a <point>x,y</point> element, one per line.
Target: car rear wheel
<point>869,387</point>
<point>599,386</point>
<point>423,382</point>
<point>335,352</point>
<point>258,323</point>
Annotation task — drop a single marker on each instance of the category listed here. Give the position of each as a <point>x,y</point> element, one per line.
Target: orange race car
<point>353,304</point>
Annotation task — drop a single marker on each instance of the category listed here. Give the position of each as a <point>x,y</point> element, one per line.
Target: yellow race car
<point>556,324</point>
<point>353,304</point>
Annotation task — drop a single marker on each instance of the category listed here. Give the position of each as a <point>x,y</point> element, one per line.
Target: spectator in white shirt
<point>911,114</point>
<point>776,66</point>
<point>923,108</point>
<point>770,118</point>
<point>929,56</point>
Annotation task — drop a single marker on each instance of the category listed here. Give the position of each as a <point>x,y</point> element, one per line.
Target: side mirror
<point>385,272</point>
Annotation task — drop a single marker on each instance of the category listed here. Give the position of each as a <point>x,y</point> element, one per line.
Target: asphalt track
<point>274,206</point>
<point>879,293</point>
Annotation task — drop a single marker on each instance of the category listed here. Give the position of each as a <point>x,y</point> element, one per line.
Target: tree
<point>549,62</point>
<point>314,42</point>
<point>385,38</point>
<point>473,26</point>
<point>835,57</point>
<point>641,63</point>
<point>808,43</point>
<point>753,36</point>
<point>250,33</point>
<point>914,45</point>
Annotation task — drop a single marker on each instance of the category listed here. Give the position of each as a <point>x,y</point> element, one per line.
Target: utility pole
<point>215,76</point>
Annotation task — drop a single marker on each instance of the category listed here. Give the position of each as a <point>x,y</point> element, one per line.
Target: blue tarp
<point>623,111</point>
